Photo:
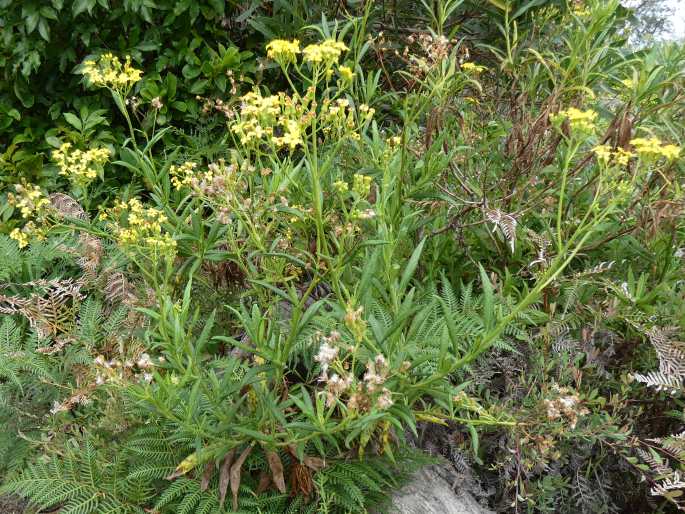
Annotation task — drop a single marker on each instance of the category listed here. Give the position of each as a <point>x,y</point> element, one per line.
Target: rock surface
<point>430,493</point>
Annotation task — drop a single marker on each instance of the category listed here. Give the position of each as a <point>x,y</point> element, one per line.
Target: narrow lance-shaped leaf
<point>235,475</point>
<point>225,476</point>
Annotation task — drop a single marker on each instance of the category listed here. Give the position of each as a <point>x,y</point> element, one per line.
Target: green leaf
<point>80,6</point>
<point>190,72</point>
<point>44,29</point>
<point>411,267</point>
<point>199,87</point>
<point>488,300</point>
<point>73,120</point>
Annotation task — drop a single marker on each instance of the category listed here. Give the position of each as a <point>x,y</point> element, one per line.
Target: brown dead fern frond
<point>50,308</point>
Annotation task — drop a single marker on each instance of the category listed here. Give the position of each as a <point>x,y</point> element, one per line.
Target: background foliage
<point>255,280</point>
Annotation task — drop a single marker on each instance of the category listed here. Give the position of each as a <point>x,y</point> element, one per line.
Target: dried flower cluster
<point>117,371</point>
<point>566,404</point>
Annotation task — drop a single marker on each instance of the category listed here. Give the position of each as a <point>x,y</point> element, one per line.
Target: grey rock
<point>430,493</point>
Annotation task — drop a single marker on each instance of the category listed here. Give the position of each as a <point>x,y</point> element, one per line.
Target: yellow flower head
<point>29,231</point>
<point>108,71</point>
<point>283,51</point>
<point>671,152</point>
<point>29,199</point>
<point>78,166</point>
<point>652,148</point>
<point>580,121</point>
<point>143,228</point>
<point>276,119</point>
<point>182,175</point>
<point>292,135</point>
<point>327,52</point>
<point>606,155</point>
<point>20,237</point>
<point>472,67</point>
<point>603,153</point>
<point>346,73</point>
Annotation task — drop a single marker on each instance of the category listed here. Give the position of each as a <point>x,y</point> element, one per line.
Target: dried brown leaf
<point>224,476</point>
<point>314,463</point>
<point>207,476</point>
<point>264,482</point>
<point>276,467</point>
<point>235,475</point>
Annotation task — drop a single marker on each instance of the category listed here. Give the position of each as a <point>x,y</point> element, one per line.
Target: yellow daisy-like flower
<point>603,153</point>
<point>581,121</point>
<point>473,67</point>
<point>29,199</point>
<point>292,135</point>
<point>20,237</point>
<point>182,175</point>
<point>29,231</point>
<point>622,156</point>
<point>327,52</point>
<point>81,167</point>
<point>618,156</point>
<point>108,71</point>
<point>671,152</point>
<point>143,228</point>
<point>652,147</point>
<point>283,51</point>
<point>346,73</point>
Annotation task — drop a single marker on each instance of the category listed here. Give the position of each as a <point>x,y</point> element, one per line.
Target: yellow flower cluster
<point>292,135</point>
<point>606,155</point>
<point>341,186</point>
<point>582,11</point>
<point>282,51</point>
<point>581,121</point>
<point>274,119</point>
<point>327,52</point>
<point>361,184</point>
<point>652,147</point>
<point>30,200</point>
<point>32,203</point>
<point>108,71</point>
<point>473,68</point>
<point>338,118</point>
<point>144,227</point>
<point>182,175</point>
<point>346,73</point>
<point>79,166</point>
<point>29,231</point>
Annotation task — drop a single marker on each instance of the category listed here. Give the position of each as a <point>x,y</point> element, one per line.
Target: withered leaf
<point>235,475</point>
<point>276,470</point>
<point>224,476</point>
<point>207,476</point>
<point>301,480</point>
<point>314,463</point>
<point>264,482</point>
<point>186,465</point>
